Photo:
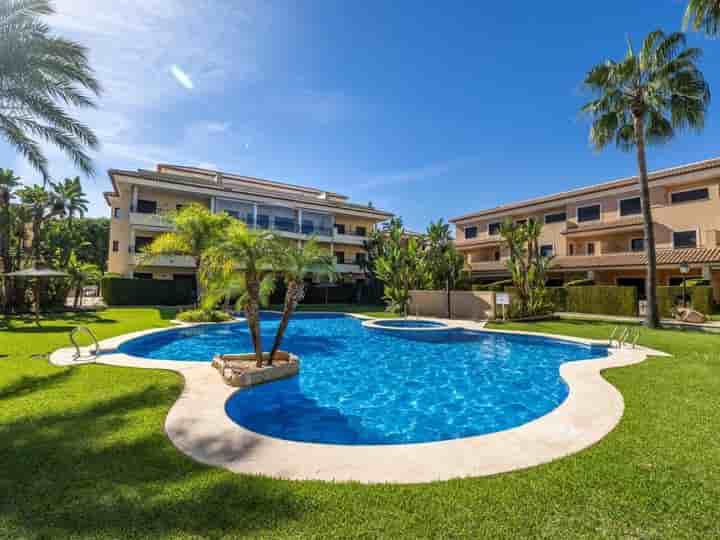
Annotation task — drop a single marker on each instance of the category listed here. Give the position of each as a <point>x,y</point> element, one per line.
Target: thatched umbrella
<point>37,274</point>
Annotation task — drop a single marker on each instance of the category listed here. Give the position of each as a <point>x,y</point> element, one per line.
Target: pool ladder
<point>625,337</point>
<point>85,330</point>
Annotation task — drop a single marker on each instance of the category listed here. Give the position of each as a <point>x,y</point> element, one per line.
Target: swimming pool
<point>408,323</point>
<point>369,386</point>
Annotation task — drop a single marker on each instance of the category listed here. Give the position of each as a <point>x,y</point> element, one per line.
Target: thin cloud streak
<point>415,174</point>
<point>181,77</point>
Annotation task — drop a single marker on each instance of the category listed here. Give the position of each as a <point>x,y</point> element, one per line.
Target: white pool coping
<point>199,427</point>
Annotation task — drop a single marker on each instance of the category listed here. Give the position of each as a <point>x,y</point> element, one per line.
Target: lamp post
<point>684,269</point>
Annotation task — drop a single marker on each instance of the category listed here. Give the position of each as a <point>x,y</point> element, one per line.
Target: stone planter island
<point>240,370</point>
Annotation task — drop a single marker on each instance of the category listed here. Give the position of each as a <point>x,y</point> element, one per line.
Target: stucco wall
<point>473,305</point>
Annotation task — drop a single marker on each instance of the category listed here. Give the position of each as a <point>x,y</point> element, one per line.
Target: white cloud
<point>181,77</point>
<point>433,170</point>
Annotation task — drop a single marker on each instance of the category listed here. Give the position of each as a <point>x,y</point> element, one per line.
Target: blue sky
<point>427,109</point>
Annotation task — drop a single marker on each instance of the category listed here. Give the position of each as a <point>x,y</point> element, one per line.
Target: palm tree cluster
<point>27,214</point>
<point>234,261</point>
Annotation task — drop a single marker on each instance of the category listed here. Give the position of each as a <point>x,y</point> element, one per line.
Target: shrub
<point>603,300</point>
<point>702,299</point>
<point>668,298</point>
<point>147,292</point>
<point>558,297</point>
<point>204,315</point>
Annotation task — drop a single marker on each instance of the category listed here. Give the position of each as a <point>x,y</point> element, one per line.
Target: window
<point>360,258</point>
<point>340,228</point>
<point>588,213</point>
<point>546,250</point>
<point>521,222</point>
<point>115,246</point>
<point>470,232</point>
<point>142,275</point>
<point>146,207</point>
<point>141,242</point>
<point>571,249</point>
<point>591,248</point>
<point>360,231</point>
<point>340,257</point>
<point>637,244</point>
<point>557,217</point>
<point>630,207</point>
<point>684,239</point>
<point>699,194</point>
<point>494,228</point>
<point>496,255</point>
<point>116,212</point>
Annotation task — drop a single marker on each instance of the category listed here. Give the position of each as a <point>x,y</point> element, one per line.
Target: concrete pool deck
<point>198,426</point>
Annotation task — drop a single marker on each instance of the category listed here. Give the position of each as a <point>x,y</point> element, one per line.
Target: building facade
<point>597,231</point>
<point>140,199</point>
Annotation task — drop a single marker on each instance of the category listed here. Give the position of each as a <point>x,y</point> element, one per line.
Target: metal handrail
<point>89,332</point>
<point>636,337</point>
<point>623,337</point>
<point>612,335</point>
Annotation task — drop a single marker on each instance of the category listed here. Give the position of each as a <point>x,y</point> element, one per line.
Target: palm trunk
<point>5,252</point>
<point>651,316</point>
<point>78,290</point>
<point>253,319</point>
<point>197,281</point>
<point>292,297</point>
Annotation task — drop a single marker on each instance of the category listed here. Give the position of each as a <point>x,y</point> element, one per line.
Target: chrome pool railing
<point>90,333</point>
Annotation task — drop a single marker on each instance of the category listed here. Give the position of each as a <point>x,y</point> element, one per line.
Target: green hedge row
<point>147,292</point>
<point>603,300</point>
<point>699,298</point>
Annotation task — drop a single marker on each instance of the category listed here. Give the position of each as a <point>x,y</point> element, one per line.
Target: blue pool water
<point>370,386</point>
<point>410,323</point>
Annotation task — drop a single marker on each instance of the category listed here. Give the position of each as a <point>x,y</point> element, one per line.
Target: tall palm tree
<point>40,74</point>
<point>645,99</point>
<point>703,15</point>
<point>70,197</point>
<point>252,255</point>
<point>81,274</point>
<point>294,264</point>
<point>195,230</point>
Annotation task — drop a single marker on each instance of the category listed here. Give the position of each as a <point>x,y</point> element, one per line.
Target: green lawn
<point>83,455</point>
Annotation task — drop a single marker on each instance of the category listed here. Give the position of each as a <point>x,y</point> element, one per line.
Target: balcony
<point>353,239</point>
<point>156,221</point>
<point>633,224</point>
<point>175,261</point>
<point>345,268</point>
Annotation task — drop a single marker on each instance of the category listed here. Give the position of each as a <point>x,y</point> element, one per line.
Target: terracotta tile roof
<point>476,243</point>
<point>697,255</point>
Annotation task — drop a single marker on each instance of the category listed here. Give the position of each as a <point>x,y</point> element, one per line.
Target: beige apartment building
<point>597,231</point>
<point>140,199</point>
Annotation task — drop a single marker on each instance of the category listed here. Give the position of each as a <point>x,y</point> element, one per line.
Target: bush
<point>603,300</point>
<point>668,298</point>
<point>702,299</point>
<point>147,292</point>
<point>580,283</point>
<point>204,315</point>
<point>558,297</point>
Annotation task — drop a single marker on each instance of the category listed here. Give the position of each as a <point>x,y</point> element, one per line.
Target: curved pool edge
<point>198,426</point>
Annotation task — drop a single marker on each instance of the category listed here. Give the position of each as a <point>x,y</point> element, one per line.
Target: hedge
<point>147,292</point>
<point>603,300</point>
<point>558,297</point>
<point>699,297</point>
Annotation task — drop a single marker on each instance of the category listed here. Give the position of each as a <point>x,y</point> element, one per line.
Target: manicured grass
<point>83,455</point>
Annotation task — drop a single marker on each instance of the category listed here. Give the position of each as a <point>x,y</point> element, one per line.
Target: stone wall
<point>471,305</point>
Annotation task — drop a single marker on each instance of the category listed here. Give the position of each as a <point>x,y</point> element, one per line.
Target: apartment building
<point>597,231</point>
<point>140,199</point>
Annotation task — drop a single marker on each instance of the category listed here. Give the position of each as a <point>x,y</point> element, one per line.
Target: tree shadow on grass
<point>29,384</point>
<point>102,471</point>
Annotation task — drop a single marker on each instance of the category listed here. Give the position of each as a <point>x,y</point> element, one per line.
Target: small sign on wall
<point>502,299</point>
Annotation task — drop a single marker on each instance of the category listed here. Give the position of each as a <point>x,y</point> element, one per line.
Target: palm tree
<point>646,98</point>
<point>294,263</point>
<point>703,15</point>
<point>81,274</point>
<point>8,183</point>
<point>250,254</point>
<point>39,74</point>
<point>42,206</point>
<point>196,229</point>
<point>70,201</point>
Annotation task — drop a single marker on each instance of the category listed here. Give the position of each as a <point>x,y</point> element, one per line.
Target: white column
<point>212,205</point>
<point>254,223</point>
<point>134,199</point>
<point>299,220</point>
